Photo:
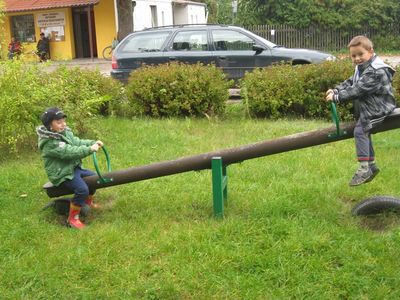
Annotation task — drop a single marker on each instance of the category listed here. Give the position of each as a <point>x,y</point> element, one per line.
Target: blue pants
<point>78,186</point>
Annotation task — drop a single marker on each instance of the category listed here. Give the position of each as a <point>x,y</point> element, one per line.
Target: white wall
<point>167,14</point>
<point>190,14</point>
<point>142,13</point>
<point>196,14</point>
<point>180,14</point>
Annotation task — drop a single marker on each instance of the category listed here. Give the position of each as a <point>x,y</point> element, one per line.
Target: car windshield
<point>145,42</point>
<point>268,43</point>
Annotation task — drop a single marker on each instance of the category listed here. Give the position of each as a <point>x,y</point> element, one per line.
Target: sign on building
<point>52,25</point>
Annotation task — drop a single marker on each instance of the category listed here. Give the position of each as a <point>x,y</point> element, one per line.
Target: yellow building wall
<point>59,50</point>
<point>7,36</point>
<point>104,17</point>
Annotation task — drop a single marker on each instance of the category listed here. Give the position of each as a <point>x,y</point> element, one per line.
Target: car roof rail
<point>185,25</point>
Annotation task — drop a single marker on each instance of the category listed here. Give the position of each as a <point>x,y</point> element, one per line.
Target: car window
<point>147,42</point>
<point>195,40</point>
<point>229,40</point>
<point>268,43</point>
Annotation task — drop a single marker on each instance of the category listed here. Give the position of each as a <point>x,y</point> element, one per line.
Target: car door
<point>189,46</point>
<point>233,52</point>
<point>142,48</point>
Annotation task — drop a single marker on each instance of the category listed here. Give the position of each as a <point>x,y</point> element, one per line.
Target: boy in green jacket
<point>62,153</point>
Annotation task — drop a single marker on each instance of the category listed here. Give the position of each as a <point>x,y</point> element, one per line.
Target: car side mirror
<point>258,48</point>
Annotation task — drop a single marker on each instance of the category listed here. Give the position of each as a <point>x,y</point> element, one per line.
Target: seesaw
<point>218,161</point>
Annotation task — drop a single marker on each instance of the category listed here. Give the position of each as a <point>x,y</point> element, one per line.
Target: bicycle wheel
<point>107,53</point>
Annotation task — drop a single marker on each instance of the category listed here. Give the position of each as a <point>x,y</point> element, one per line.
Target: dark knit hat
<point>51,114</point>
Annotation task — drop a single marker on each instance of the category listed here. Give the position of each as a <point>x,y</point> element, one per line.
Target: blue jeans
<point>78,186</point>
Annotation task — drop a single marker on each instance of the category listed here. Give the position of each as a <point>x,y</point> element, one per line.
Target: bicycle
<point>108,51</point>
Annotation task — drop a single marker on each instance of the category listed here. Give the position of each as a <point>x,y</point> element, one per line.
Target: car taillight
<point>114,64</point>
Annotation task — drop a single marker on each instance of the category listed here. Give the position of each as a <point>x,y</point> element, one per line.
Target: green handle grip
<point>96,166</point>
<point>335,117</point>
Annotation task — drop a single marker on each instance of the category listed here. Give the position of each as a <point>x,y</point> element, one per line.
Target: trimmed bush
<point>386,43</point>
<point>27,90</point>
<point>285,90</point>
<point>22,95</point>
<point>85,93</point>
<point>177,89</point>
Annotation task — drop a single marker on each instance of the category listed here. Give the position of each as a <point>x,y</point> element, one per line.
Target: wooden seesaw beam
<point>229,156</point>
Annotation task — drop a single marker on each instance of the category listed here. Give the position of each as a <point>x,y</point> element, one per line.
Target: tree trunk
<point>125,18</point>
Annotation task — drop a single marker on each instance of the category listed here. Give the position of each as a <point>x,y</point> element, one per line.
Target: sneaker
<point>361,176</point>
<point>375,170</point>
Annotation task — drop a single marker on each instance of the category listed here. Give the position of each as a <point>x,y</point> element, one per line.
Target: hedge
<point>284,90</point>
<point>177,89</point>
<point>26,90</point>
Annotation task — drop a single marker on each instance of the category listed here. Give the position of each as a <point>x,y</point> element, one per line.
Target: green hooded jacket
<point>62,153</point>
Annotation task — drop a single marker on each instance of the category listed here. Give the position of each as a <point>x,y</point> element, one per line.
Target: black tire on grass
<point>376,205</point>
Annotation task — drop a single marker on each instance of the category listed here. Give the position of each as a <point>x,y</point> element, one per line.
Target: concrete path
<point>394,61</point>
<point>102,65</point>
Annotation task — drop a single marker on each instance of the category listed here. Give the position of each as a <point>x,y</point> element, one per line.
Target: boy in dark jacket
<point>370,89</point>
<point>62,153</point>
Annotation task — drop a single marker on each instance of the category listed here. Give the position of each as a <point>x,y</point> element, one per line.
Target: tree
<point>220,11</point>
<point>212,8</point>
<point>336,14</point>
<point>224,14</point>
<point>125,18</point>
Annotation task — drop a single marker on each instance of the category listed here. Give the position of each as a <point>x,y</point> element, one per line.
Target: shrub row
<point>284,90</point>
<point>387,43</point>
<point>176,89</point>
<point>26,90</point>
<point>163,91</point>
<point>159,91</point>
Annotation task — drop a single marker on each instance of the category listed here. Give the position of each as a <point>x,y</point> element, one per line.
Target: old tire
<point>376,205</point>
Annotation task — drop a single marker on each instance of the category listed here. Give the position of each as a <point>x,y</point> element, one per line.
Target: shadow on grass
<point>59,218</point>
<point>380,222</point>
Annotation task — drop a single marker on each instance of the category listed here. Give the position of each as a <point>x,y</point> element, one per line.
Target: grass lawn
<point>287,233</point>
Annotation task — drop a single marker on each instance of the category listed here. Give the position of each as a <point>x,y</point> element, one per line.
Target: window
<point>190,41</point>
<point>229,40</point>
<point>23,28</point>
<point>148,42</point>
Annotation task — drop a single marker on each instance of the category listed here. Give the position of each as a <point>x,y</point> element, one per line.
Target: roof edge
<point>93,2</point>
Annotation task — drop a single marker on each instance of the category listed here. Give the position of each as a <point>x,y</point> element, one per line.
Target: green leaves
<point>26,90</point>
<point>177,90</point>
<point>329,13</point>
<point>285,90</point>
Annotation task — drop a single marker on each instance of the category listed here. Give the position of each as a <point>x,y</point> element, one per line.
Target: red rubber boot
<point>89,201</point>
<point>73,218</point>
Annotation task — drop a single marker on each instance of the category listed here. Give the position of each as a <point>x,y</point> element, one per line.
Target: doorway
<point>82,35</point>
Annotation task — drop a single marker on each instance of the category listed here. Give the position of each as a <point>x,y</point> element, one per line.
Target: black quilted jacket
<point>370,89</point>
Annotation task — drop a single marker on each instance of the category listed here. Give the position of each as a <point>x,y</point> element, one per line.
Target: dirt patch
<point>381,222</point>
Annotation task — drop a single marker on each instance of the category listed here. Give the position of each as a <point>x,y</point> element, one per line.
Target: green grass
<point>287,233</point>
